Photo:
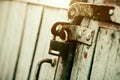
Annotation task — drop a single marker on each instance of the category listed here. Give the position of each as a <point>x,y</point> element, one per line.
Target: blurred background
<point>25,36</point>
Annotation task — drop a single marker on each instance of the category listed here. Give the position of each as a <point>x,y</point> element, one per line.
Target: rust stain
<point>85,54</point>
<point>102,12</point>
<point>84,30</point>
<point>96,11</point>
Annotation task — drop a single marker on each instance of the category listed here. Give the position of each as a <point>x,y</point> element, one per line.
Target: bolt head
<point>88,36</point>
<point>72,12</point>
<point>111,11</point>
<point>80,34</point>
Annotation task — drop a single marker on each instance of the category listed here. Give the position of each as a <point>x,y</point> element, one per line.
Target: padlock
<point>58,48</point>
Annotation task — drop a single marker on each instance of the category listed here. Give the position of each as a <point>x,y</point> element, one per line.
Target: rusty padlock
<point>59,48</point>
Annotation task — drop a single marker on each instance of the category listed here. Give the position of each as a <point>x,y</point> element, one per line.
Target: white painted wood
<point>53,3</point>
<point>99,1</point>
<point>51,15</point>
<point>12,37</point>
<point>117,63</point>
<point>32,23</point>
<point>112,71</point>
<point>105,66</point>
<point>4,8</point>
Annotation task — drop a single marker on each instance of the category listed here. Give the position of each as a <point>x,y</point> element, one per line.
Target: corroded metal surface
<point>80,34</point>
<point>75,32</point>
<point>97,11</point>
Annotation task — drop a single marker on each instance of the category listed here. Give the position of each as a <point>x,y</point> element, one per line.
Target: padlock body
<point>58,48</point>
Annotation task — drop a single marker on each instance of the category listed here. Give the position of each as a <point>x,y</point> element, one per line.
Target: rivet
<point>72,12</point>
<point>111,11</point>
<point>80,34</point>
<point>84,30</point>
<point>88,37</point>
<point>92,33</point>
<point>85,54</point>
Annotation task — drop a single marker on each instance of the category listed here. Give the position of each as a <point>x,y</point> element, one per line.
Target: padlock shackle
<point>66,36</point>
<point>58,30</point>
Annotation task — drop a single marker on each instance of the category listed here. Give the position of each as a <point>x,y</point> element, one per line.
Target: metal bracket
<point>75,32</point>
<point>80,34</point>
<point>97,11</point>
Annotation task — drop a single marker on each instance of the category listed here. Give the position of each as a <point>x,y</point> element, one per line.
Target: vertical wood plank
<point>32,23</point>
<point>12,37</point>
<point>105,66</point>
<point>83,56</point>
<point>112,71</point>
<point>117,63</point>
<point>4,8</point>
<point>51,15</point>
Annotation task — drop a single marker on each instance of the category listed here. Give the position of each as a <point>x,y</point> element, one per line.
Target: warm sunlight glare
<point>56,3</point>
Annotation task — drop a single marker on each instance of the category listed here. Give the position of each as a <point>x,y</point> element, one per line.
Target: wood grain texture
<point>105,66</point>
<point>84,55</point>
<point>32,22</point>
<point>51,15</point>
<point>12,37</point>
<point>4,9</point>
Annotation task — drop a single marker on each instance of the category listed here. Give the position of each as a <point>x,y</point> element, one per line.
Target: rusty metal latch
<point>75,32</point>
<point>97,11</point>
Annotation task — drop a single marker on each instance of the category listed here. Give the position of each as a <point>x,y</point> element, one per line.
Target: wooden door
<point>101,60</point>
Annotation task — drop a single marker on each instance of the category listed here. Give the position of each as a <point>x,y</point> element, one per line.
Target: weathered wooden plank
<point>53,3</point>
<point>112,71</point>
<point>32,22</point>
<point>12,37</point>
<point>4,8</point>
<point>117,64</point>
<point>83,56</point>
<point>105,66</point>
<point>51,15</point>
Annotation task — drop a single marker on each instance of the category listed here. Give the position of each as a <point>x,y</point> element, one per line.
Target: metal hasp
<point>80,34</point>
<point>75,32</point>
<point>97,11</point>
